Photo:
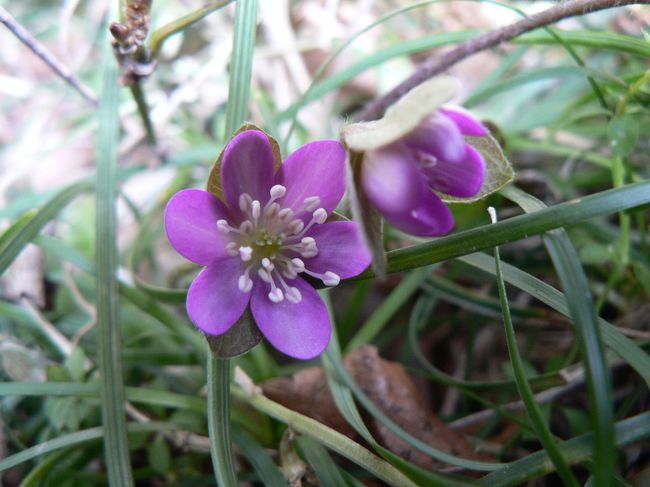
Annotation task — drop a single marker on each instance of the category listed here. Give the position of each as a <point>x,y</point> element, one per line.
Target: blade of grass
<point>532,409</point>
<point>241,65</point>
<point>259,459</point>
<point>625,348</point>
<point>582,311</point>
<point>575,450</point>
<point>328,437</point>
<point>15,242</point>
<point>78,438</point>
<point>116,448</point>
<point>522,226</point>
<point>388,308</point>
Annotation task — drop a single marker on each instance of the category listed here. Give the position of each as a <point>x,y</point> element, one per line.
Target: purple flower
<point>270,230</point>
<point>400,178</point>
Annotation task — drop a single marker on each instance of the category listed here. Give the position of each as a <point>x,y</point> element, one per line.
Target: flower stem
<point>219,420</point>
<point>143,110</point>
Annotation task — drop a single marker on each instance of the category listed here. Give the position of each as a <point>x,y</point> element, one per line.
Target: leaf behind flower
<point>498,170</point>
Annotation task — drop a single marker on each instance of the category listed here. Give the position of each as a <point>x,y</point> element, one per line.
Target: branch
<point>42,52</point>
<point>439,63</point>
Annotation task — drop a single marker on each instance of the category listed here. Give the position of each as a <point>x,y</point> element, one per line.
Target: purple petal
<point>429,218</point>
<point>391,178</point>
<point>214,301</point>
<point>438,136</point>
<point>301,330</point>
<point>340,249</point>
<point>248,166</point>
<point>191,225</point>
<point>316,169</point>
<point>467,123</point>
<point>462,179</point>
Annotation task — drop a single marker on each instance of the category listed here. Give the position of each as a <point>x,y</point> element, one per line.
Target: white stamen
<point>271,210</point>
<point>232,249</point>
<point>223,227</point>
<point>267,264</point>
<point>244,201</point>
<point>245,253</point>
<point>320,215</point>
<point>264,275</point>
<point>278,191</point>
<point>298,265</point>
<point>245,283</point>
<point>331,279</point>
<point>311,203</point>
<point>293,295</point>
<point>256,209</point>
<point>295,226</point>
<point>276,295</point>
<point>285,214</point>
<point>246,226</point>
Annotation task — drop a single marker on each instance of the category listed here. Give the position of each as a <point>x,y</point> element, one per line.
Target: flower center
<point>274,244</point>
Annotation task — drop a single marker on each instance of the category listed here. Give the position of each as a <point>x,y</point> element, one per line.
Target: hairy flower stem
<point>437,64</point>
<point>219,420</point>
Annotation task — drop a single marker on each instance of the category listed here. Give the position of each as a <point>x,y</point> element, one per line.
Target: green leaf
<point>159,456</point>
<point>623,133</point>
<point>498,170</point>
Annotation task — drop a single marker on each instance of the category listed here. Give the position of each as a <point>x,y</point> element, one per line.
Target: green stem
<point>219,420</point>
<point>143,110</point>
<point>160,35</point>
<point>526,393</point>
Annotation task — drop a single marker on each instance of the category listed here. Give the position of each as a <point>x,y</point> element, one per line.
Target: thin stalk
<point>160,35</point>
<point>534,413</point>
<point>219,420</point>
<point>143,110</point>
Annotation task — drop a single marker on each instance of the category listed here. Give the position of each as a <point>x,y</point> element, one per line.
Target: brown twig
<point>439,63</point>
<point>48,58</point>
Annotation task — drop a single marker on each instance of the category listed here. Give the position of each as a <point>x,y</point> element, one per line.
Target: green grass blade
<point>259,459</point>
<point>532,409</point>
<point>76,439</point>
<point>388,308</point>
<point>439,455</point>
<point>594,39</point>
<point>116,449</point>
<point>582,311</point>
<point>575,450</point>
<point>16,241</point>
<point>241,65</point>
<point>328,437</point>
<point>522,226</point>
<point>326,470</point>
<point>625,348</point>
